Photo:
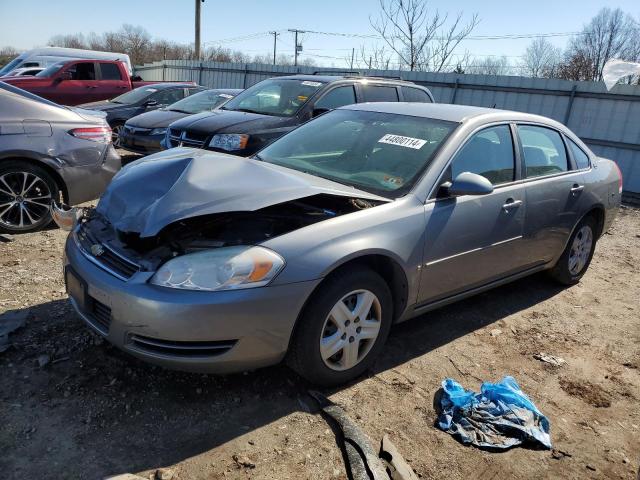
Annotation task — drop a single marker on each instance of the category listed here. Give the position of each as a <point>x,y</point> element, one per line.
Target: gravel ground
<point>71,406</point>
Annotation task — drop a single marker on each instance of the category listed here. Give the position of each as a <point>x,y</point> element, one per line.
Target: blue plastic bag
<point>501,416</point>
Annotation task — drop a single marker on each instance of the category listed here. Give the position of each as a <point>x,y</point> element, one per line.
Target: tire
<point>25,211</point>
<point>116,131</point>
<point>319,323</point>
<point>577,255</point>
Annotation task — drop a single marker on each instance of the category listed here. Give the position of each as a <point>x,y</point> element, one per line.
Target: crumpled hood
<point>155,119</point>
<point>155,191</point>
<point>221,120</point>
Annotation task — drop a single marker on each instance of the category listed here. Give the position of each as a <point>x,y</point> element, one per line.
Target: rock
<point>43,360</point>
<point>164,474</point>
<point>243,461</point>
<point>495,332</point>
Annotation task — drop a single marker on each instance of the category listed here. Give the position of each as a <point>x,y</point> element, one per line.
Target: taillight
<point>96,134</point>
<point>619,178</point>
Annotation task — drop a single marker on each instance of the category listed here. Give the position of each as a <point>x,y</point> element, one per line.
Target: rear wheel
<point>343,328</point>
<point>26,192</point>
<point>577,255</point>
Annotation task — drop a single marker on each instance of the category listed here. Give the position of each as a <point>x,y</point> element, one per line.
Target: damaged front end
<point>228,242</point>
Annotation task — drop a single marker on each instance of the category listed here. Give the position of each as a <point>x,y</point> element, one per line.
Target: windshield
<point>380,153</point>
<point>10,66</point>
<point>200,102</point>
<point>51,70</point>
<point>134,96</point>
<point>278,97</point>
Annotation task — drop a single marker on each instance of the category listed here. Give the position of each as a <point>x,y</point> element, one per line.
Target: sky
<point>225,23</point>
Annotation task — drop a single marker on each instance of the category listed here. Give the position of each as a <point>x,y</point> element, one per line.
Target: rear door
<point>81,87</point>
<point>414,95</point>
<point>473,240</point>
<point>554,190</point>
<point>112,82</point>
<point>371,92</point>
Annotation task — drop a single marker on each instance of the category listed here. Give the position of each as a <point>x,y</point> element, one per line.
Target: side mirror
<point>467,183</point>
<point>151,103</point>
<point>318,111</point>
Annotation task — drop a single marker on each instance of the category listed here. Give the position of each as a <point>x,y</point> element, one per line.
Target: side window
<point>82,71</point>
<point>379,93</point>
<point>337,97</point>
<point>581,158</point>
<point>544,152</point>
<point>411,94</point>
<point>110,71</point>
<point>167,97</point>
<point>488,153</point>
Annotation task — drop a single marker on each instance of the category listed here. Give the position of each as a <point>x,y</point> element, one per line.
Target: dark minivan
<point>273,107</point>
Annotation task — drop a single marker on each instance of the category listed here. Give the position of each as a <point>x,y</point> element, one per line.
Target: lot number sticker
<point>407,142</point>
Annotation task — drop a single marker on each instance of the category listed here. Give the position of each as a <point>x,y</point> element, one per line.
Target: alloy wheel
<point>24,200</point>
<point>350,330</point>
<point>580,250</point>
<point>116,131</point>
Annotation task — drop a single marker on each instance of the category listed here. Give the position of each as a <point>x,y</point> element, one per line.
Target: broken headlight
<point>224,268</point>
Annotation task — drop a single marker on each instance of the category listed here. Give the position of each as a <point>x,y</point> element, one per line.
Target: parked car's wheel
<point>577,255</point>
<point>343,327</point>
<point>25,194</point>
<point>116,133</point>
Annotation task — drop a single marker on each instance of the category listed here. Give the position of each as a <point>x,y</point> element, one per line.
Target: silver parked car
<point>48,151</point>
<point>366,216</point>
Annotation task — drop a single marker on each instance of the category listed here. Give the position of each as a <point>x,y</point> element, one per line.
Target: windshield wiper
<point>246,110</point>
<point>177,110</point>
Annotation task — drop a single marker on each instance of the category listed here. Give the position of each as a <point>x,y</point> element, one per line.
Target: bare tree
<point>610,34</point>
<point>417,35</point>
<point>541,58</point>
<point>75,40</point>
<point>490,66</point>
<point>375,58</point>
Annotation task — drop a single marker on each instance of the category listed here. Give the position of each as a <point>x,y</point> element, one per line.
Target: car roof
<point>447,112</point>
<point>335,78</point>
<point>165,85</point>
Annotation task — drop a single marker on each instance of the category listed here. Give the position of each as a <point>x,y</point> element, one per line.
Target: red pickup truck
<point>74,82</point>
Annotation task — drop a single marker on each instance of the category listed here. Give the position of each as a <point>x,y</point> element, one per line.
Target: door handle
<point>577,188</point>
<point>511,204</point>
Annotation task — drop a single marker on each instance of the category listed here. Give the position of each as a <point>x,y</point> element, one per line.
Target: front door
<point>473,240</point>
<point>78,84</point>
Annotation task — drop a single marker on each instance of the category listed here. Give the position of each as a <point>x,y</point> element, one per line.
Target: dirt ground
<point>71,406</point>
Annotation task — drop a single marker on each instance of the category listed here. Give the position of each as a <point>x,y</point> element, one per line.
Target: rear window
<point>379,93</point>
<point>110,71</point>
<point>581,158</point>
<point>417,95</point>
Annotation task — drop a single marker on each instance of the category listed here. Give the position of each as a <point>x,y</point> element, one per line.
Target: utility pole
<point>197,26</point>
<point>275,40</point>
<point>298,47</point>
<point>353,52</point>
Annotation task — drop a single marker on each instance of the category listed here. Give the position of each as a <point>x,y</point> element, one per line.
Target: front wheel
<point>577,255</point>
<point>343,327</point>
<point>116,134</point>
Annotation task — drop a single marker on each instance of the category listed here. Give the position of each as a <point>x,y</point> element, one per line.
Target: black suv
<point>273,107</point>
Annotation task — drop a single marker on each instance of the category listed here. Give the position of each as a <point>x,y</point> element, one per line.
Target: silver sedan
<point>309,251</point>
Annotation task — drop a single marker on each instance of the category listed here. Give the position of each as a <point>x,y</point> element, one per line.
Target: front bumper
<point>145,144</point>
<point>241,329</point>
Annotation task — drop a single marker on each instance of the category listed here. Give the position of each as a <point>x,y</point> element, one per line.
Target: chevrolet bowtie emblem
<point>97,250</point>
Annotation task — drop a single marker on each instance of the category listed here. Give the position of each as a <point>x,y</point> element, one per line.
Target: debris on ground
<point>550,359</point>
<point>501,416</point>
<point>363,462</point>
<point>164,474</point>
<point>243,461</point>
<point>397,467</point>
<point>9,322</point>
